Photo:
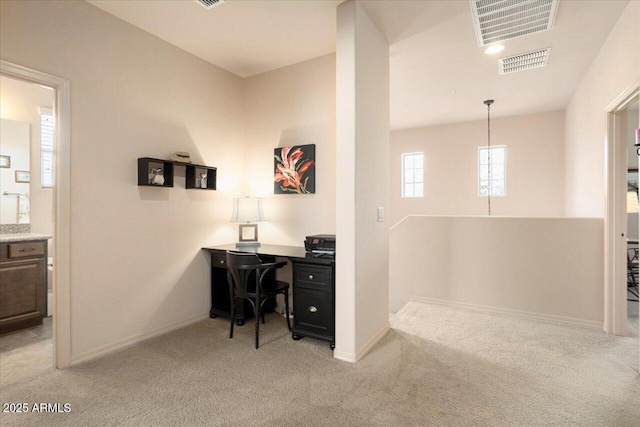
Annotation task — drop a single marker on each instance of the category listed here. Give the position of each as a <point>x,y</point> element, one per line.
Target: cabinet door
<point>313,310</point>
<point>22,291</point>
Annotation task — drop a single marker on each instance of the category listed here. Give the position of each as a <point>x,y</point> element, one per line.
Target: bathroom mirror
<point>14,162</point>
<point>26,154</point>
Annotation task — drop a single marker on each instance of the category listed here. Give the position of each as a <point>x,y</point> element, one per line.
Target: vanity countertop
<point>23,237</point>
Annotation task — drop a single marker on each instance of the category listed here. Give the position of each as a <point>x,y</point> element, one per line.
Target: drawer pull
<point>221,261</point>
<point>313,309</point>
<point>27,250</point>
<point>311,277</point>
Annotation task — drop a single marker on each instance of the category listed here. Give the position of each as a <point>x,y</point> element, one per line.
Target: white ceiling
<point>244,37</point>
<point>433,49</point>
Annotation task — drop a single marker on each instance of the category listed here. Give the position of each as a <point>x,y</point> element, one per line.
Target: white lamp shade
<point>247,209</point>
<point>632,202</point>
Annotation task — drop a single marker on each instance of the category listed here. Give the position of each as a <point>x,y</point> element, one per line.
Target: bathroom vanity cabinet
<point>23,284</point>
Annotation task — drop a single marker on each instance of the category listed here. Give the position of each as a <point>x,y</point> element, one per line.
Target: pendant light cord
<point>488,104</point>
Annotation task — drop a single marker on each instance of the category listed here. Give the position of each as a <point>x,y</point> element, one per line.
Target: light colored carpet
<point>632,318</point>
<point>438,366</point>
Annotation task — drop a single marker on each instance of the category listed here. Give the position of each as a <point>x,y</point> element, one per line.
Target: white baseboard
<point>134,339</point>
<point>590,324</point>
<point>354,357</point>
<point>344,356</point>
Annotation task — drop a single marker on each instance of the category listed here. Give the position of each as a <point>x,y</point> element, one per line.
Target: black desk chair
<point>246,275</point>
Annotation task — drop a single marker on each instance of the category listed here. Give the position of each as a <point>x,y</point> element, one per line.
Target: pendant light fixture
<point>488,103</point>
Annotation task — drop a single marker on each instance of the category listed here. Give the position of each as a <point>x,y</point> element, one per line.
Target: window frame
<point>504,174</point>
<point>46,111</point>
<point>403,170</point>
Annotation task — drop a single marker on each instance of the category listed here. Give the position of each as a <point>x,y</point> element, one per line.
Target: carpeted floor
<point>632,318</point>
<point>438,366</point>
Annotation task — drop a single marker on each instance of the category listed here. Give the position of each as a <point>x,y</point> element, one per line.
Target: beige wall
<point>544,268</point>
<point>295,105</point>
<point>137,267</point>
<point>362,259</point>
<point>21,101</point>
<point>614,69</point>
<point>535,167</point>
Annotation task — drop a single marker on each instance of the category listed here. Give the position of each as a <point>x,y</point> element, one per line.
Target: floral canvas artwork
<point>295,170</point>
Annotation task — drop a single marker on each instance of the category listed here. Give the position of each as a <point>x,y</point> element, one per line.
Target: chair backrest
<point>242,272</point>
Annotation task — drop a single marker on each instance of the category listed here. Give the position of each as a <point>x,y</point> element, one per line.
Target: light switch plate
<point>380,214</point>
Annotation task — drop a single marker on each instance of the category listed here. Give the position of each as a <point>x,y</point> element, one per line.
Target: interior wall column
<point>362,146</point>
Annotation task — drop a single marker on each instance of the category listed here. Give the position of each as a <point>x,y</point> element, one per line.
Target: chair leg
<point>258,310</point>
<point>233,317</point>
<point>286,309</point>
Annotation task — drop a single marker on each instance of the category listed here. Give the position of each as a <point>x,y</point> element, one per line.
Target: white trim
<point>563,320</point>
<point>615,226</point>
<point>62,206</point>
<point>134,339</point>
<point>359,354</point>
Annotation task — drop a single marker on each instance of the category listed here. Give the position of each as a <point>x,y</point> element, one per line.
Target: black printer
<point>321,244</point>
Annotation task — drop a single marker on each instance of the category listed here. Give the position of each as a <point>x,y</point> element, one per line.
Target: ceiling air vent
<point>524,61</point>
<point>209,4</point>
<point>496,20</point>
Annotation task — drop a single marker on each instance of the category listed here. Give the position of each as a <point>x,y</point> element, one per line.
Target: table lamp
<point>247,210</point>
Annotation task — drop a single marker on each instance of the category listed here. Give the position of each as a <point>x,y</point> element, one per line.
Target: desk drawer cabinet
<point>313,301</point>
<point>313,310</point>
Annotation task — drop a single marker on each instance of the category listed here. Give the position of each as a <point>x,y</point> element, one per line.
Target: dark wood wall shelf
<point>193,174</point>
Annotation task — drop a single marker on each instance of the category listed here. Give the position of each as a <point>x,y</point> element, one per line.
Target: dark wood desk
<point>313,288</point>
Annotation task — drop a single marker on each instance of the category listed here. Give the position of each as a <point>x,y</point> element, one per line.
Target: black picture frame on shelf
<point>194,177</point>
<point>148,167</point>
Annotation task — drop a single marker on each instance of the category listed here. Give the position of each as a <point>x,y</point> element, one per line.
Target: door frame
<point>62,207</point>
<point>615,284</point>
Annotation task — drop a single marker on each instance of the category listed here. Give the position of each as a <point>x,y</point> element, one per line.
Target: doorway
<point>620,219</point>
<point>27,146</point>
<point>630,118</point>
<point>58,116</point>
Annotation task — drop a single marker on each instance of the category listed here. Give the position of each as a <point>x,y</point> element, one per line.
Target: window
<point>46,147</point>
<point>492,178</point>
<point>412,174</point>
